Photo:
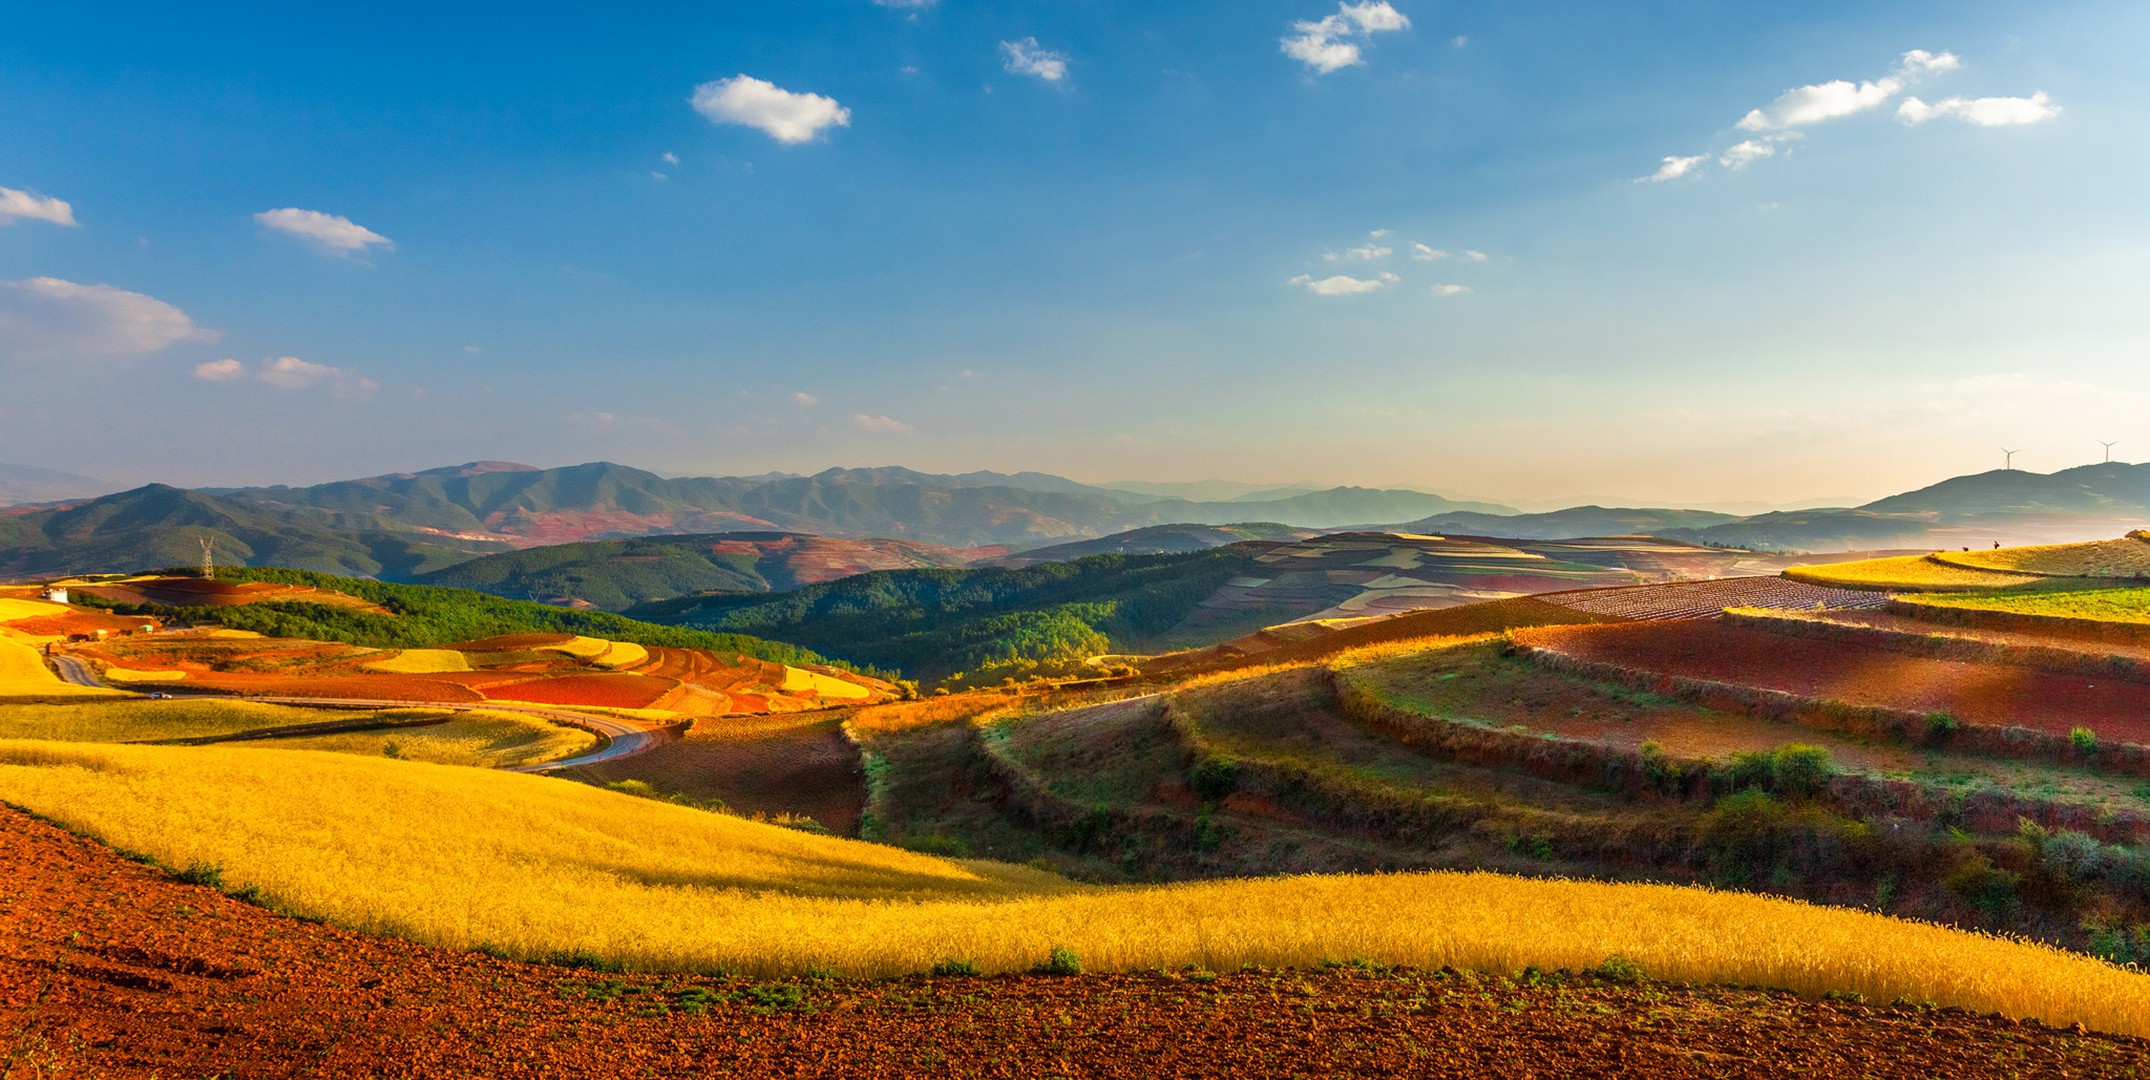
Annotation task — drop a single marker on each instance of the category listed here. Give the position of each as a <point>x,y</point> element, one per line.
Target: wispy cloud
<point>47,318</point>
<point>1783,120</point>
<point>1814,103</point>
<point>883,424</point>
<point>17,205</point>
<point>1673,167</point>
<point>1026,58</point>
<point>1450,289</point>
<point>802,398</point>
<point>1343,284</point>
<point>331,233</point>
<point>1984,112</point>
<point>292,373</point>
<point>1333,42</point>
<point>787,117</point>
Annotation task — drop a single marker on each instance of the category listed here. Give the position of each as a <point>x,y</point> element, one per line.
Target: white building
<point>56,594</point>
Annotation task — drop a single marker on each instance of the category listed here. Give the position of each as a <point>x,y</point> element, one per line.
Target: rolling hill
<point>1155,540</point>
<point>617,574</point>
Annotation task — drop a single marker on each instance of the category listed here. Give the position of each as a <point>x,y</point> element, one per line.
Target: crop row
<point>1702,599</point>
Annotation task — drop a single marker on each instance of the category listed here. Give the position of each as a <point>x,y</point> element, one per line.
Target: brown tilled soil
<point>756,765</point>
<point>108,968</point>
<point>1998,695</point>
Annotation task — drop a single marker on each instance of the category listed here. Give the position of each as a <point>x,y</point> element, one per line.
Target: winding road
<point>623,738</point>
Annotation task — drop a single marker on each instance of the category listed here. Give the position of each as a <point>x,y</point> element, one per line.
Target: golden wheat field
<point>464,857</point>
<point>137,720</point>
<point>421,662</point>
<point>23,674</point>
<point>1922,572</point>
<point>480,738</point>
<point>2128,556</point>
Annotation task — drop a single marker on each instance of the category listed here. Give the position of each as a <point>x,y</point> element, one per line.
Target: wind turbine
<point>2108,449</point>
<point>2008,460</point>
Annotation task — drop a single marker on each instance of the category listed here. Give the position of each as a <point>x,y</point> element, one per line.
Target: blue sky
<point>1109,240</point>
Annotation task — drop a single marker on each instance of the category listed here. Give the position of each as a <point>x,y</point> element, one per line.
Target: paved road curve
<point>75,671</point>
<point>623,738</point>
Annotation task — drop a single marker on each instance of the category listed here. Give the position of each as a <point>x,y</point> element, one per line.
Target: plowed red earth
<point>606,691</point>
<point>1999,695</point>
<point>362,687</point>
<point>112,969</point>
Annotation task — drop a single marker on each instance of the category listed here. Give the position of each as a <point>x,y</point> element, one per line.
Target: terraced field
<point>1908,573</point>
<point>1703,599</point>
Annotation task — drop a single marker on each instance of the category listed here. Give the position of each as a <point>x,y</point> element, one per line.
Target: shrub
<point>391,749</point>
<point>955,968</point>
<point>1213,778</point>
<point>1795,770</point>
<point>1061,961</point>
<point>2084,740</point>
<point>201,873</point>
<point>640,789</point>
<point>1620,968</point>
<point>1658,767</point>
<point>947,847</point>
<point>1940,725</point>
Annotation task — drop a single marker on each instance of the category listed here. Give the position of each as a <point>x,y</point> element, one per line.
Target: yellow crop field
<point>23,674</point>
<point>463,857</point>
<point>12,608</point>
<point>1920,572</point>
<point>622,654</point>
<point>480,738</point>
<point>2128,556</point>
<point>114,673</point>
<point>826,686</point>
<point>421,662</point>
<point>135,719</point>
<point>582,647</point>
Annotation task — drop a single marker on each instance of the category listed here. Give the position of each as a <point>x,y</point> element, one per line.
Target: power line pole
<point>208,544</point>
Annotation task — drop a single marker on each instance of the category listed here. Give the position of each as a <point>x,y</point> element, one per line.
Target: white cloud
<point>1740,155</point>
<point>223,370</point>
<point>292,373</point>
<point>1378,233</point>
<point>333,234</point>
<point>1026,58</point>
<point>671,158</point>
<point>1474,256</point>
<point>47,318</point>
<point>28,205</point>
<point>787,117</point>
<point>903,5</point>
<point>1672,168</point>
<point>1369,252</point>
<point>1343,284</point>
<point>804,398</point>
<point>1447,289</point>
<point>1423,253</point>
<point>864,422</point>
<point>1984,112</point>
<point>1812,104</point>
<point>1332,42</point>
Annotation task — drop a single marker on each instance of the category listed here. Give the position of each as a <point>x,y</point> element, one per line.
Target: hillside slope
<point>618,574</point>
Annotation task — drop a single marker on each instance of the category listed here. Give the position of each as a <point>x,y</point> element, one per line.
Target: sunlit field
<point>535,866</point>
<point>23,674</point>
<point>2100,605</point>
<point>1906,572</point>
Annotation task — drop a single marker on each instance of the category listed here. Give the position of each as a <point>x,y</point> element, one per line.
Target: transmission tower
<point>208,544</point>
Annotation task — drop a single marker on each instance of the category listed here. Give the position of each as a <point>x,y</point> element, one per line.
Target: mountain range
<point>404,525</point>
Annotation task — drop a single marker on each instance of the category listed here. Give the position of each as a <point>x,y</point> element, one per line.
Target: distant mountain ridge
<point>31,484</point>
<point>400,525</point>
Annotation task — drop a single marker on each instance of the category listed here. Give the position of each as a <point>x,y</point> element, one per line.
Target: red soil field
<point>604,691</point>
<point>79,622</point>
<point>767,766</point>
<point>109,968</point>
<point>1998,695</point>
